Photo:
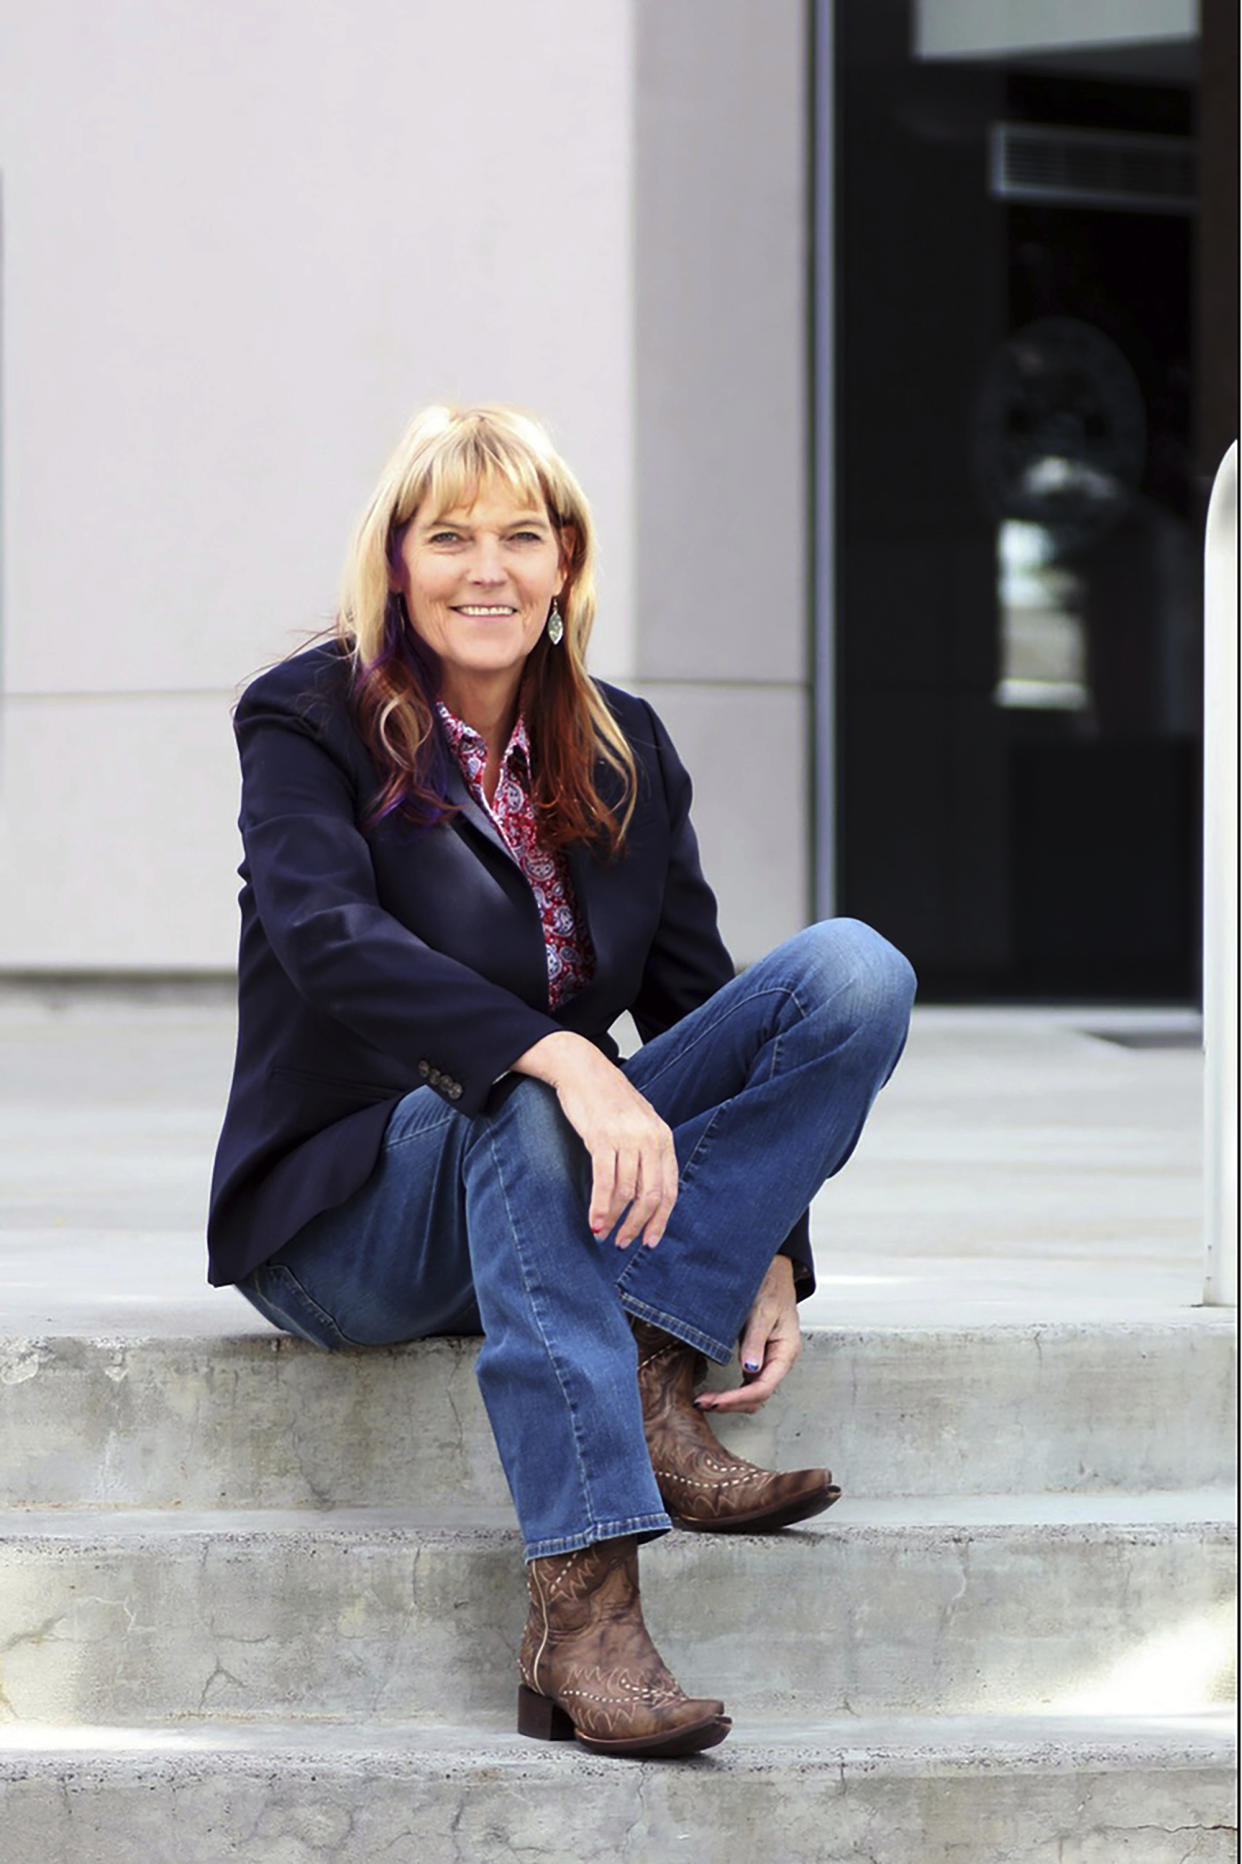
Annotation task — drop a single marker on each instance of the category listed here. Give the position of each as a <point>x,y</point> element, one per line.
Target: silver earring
<point>556,627</point>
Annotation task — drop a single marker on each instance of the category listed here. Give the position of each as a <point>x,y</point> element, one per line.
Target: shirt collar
<point>471,752</point>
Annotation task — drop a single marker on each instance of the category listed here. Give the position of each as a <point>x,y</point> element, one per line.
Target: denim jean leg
<point>557,1368</point>
<point>390,1263</point>
<point>766,1088</point>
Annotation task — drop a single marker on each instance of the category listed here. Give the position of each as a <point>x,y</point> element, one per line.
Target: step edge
<point>1215,1323</point>
<point>1209,1508</point>
<point>898,1745</point>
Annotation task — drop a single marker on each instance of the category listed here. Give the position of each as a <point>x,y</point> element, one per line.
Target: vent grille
<point>1091,168</point>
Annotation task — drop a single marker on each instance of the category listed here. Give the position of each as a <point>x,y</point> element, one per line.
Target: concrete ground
<point>1022,1165</point>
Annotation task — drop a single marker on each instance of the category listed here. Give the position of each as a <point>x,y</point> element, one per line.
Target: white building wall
<point>241,245</point>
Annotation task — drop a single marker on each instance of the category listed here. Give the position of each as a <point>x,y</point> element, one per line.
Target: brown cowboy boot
<point>705,1486</point>
<point>590,1669</point>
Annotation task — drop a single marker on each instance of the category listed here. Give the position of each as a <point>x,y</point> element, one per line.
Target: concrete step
<point>267,1421</point>
<point>958,1606</point>
<point>1033,1791</point>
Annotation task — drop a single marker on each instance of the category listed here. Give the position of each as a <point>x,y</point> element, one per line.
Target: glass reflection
<point>1043,647</point>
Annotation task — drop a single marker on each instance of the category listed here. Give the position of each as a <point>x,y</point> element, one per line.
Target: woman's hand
<point>771,1341</point>
<point>633,1162</point>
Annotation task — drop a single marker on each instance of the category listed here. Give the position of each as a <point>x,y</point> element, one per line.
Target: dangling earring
<point>556,627</point>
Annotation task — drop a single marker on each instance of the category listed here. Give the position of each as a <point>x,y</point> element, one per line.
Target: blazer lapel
<point>596,886</point>
<point>600,887</point>
<point>459,793</point>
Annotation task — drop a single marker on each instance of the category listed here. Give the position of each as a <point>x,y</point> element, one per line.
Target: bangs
<point>469,462</point>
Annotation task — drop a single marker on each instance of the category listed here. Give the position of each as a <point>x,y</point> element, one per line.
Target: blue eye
<point>443,537</point>
<point>527,537</point>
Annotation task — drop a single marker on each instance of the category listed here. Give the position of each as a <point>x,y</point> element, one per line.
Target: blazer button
<point>435,1077</point>
<point>424,1069</point>
<point>454,1091</point>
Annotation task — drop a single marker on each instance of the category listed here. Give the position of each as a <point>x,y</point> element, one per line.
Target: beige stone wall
<point>722,419</point>
<point>240,245</point>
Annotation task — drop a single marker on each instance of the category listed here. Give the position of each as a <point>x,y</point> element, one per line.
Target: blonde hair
<point>444,460</point>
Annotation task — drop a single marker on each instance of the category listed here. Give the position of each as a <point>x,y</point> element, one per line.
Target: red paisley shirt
<point>571,960</point>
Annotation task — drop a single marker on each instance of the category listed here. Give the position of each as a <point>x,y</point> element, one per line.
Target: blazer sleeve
<point>688,960</point>
<point>348,958</point>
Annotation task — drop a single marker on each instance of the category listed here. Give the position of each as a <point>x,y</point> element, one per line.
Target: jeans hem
<point>646,1527</point>
<point>718,1353</point>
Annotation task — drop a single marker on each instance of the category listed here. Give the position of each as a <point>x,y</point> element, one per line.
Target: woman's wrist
<point>782,1271</point>
<point>554,1056</point>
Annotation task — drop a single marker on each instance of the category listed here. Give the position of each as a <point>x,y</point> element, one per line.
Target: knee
<point>525,1116</point>
<point>844,955</point>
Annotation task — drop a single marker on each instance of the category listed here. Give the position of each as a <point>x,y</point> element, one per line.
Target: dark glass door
<point>1018,606</point>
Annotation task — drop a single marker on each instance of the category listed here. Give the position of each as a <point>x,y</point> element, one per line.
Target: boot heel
<point>541,1718</point>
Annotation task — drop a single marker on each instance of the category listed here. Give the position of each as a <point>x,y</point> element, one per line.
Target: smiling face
<point>478,582</point>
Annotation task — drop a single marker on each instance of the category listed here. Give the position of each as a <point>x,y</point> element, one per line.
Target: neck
<point>490,707</point>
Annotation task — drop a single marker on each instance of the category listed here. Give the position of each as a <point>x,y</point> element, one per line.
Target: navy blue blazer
<point>377,960</point>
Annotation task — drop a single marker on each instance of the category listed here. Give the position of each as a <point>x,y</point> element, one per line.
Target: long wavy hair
<point>445,459</point>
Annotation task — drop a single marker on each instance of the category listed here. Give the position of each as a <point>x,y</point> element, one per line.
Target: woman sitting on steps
<point>464,860</point>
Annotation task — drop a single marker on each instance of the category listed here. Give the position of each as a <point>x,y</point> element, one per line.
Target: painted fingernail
<point>750,1365</point>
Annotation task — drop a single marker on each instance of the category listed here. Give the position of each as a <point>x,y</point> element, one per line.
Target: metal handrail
<point>1220,888</point>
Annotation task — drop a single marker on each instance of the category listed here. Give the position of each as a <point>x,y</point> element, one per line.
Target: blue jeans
<point>479,1223</point>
